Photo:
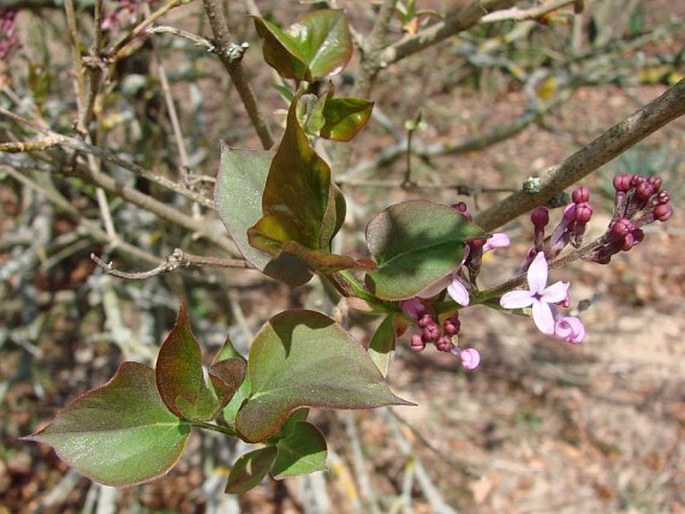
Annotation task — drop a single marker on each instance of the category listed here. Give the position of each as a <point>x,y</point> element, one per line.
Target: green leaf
<point>324,39</point>
<point>344,118</point>
<point>250,469</point>
<point>415,244</point>
<point>119,434</point>
<point>238,197</point>
<point>297,191</point>
<point>303,358</point>
<point>281,51</point>
<point>318,46</point>
<point>179,375</point>
<point>382,346</point>
<point>301,451</point>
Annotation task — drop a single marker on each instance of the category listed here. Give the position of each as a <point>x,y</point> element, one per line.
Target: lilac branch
<point>666,108</point>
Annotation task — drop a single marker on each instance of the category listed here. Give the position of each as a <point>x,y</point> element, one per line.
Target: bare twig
<point>666,108</point>
<point>517,14</point>
<point>456,22</point>
<point>197,40</point>
<point>230,55</point>
<point>178,259</point>
<point>120,48</point>
<point>54,139</point>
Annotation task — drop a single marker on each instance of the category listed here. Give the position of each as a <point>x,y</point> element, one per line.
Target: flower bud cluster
<point>9,40</point>
<point>571,227</point>
<point>445,336</point>
<point>638,201</point>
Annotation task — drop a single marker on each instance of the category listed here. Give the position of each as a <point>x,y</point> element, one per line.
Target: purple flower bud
<point>581,195</point>
<point>416,343</point>
<point>636,180</point>
<point>622,228</point>
<point>663,197</point>
<point>462,209</point>
<point>431,333</point>
<point>656,182</point>
<point>583,212</point>
<point>663,211</point>
<point>425,320</point>
<point>622,182</point>
<point>540,217</point>
<point>413,308</point>
<point>644,190</point>
<point>444,343</point>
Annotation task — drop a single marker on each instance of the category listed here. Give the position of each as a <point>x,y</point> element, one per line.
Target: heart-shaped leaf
<point>238,196</point>
<point>303,358</point>
<point>179,374</point>
<point>344,117</point>
<point>250,469</point>
<point>415,244</point>
<point>119,434</point>
<point>318,46</point>
<point>301,451</point>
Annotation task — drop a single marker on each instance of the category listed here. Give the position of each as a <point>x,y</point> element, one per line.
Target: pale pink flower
<point>469,357</point>
<point>570,329</point>
<point>539,296</point>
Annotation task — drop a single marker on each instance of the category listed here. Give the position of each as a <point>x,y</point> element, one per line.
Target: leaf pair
<point>316,47</point>
<point>134,428</point>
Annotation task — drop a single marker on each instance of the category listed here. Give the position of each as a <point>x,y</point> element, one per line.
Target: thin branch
<point>456,22</point>
<point>55,139</point>
<point>666,108</point>
<point>230,55</point>
<point>120,48</point>
<point>178,259</point>
<point>516,14</point>
<point>194,38</point>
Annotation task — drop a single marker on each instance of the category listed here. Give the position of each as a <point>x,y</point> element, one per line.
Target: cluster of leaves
<point>282,210</point>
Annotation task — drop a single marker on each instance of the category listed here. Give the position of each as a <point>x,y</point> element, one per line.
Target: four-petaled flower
<point>539,296</point>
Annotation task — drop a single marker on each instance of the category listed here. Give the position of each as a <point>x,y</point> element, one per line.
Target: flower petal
<point>555,293</point>
<point>516,299</point>
<point>543,317</point>
<point>458,292</point>
<point>496,240</point>
<point>537,273</point>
